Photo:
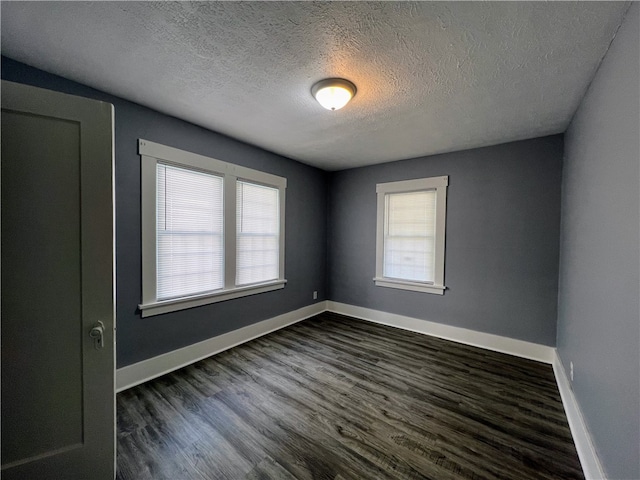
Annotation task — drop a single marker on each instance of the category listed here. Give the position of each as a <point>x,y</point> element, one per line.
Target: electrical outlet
<point>315,294</point>
<point>571,370</point>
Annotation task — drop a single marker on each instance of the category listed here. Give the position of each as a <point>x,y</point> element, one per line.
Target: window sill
<point>407,285</point>
<point>172,305</point>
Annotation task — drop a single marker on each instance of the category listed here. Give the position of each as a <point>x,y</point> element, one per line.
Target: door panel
<point>57,283</point>
<point>41,288</point>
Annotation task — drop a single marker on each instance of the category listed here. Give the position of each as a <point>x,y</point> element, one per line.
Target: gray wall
<point>141,338</point>
<point>598,316</point>
<point>501,261</point>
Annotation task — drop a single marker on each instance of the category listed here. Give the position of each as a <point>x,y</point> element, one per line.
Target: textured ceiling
<point>432,77</point>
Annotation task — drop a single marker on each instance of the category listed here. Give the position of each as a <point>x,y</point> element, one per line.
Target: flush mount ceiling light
<point>333,93</point>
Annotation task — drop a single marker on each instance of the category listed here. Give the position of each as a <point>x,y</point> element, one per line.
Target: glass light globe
<point>333,98</point>
<point>333,93</point>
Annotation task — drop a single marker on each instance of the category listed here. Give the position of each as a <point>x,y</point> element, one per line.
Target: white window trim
<point>151,153</point>
<point>439,184</point>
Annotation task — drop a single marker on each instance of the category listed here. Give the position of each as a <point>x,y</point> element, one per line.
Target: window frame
<point>151,154</point>
<point>439,184</point>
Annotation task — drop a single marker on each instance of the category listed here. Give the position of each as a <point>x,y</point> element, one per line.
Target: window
<point>410,234</point>
<point>211,231</point>
<point>258,229</point>
<point>189,229</point>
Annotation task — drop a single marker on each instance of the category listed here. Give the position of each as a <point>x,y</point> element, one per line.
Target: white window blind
<point>409,236</point>
<point>258,233</point>
<point>190,219</point>
<point>212,231</point>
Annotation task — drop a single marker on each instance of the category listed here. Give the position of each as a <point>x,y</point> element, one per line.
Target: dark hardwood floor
<point>337,398</point>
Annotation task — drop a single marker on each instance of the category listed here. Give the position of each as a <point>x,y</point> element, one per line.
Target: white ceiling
<point>432,77</point>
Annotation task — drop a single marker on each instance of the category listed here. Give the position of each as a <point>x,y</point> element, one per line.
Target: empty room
<point>320,240</point>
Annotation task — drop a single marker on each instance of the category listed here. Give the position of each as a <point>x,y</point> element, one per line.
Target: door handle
<point>97,333</point>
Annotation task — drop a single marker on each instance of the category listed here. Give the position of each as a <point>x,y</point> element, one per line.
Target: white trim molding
<point>581,437</point>
<point>586,452</point>
<point>137,373</point>
<point>406,285</point>
<point>165,306</point>
<point>231,176</point>
<point>151,368</point>
<point>181,157</point>
<point>488,341</point>
<point>384,192</point>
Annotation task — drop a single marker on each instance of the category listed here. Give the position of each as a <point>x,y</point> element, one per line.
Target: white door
<point>57,286</point>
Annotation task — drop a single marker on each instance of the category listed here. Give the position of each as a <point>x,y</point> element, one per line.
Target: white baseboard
<point>581,437</point>
<point>542,353</point>
<point>137,373</point>
<point>519,348</point>
<point>145,370</point>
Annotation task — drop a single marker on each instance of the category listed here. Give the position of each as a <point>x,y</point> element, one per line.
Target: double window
<point>410,234</point>
<point>211,230</point>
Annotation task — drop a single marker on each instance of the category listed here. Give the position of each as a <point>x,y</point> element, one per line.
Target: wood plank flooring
<point>337,398</point>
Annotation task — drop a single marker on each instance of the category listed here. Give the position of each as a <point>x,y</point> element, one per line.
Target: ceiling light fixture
<point>333,93</point>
